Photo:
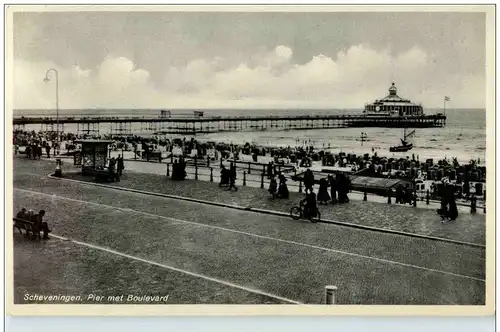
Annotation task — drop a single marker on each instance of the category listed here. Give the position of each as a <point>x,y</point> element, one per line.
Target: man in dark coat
<point>41,225</point>
<point>22,214</point>
<point>270,169</point>
<point>120,165</point>
<point>224,178</point>
<point>308,179</point>
<point>232,178</point>
<point>333,188</point>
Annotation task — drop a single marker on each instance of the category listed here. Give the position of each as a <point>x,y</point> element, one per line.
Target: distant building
<point>393,105</point>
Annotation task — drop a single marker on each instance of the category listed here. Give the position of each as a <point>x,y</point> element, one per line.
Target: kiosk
<point>93,158</point>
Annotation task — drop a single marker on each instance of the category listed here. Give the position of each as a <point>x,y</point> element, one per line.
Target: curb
<point>276,213</point>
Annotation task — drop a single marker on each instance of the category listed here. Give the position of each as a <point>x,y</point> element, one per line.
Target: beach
<point>463,137</point>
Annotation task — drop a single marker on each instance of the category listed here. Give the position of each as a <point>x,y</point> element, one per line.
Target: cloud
<point>269,78</point>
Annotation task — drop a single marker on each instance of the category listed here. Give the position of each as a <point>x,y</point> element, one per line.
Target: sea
<point>463,137</point>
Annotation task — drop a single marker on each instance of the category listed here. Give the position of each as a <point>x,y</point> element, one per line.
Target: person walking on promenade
<point>47,149</point>
<point>343,188</point>
<point>283,188</point>
<point>28,152</point>
<point>448,210</point>
<point>323,196</point>
<point>273,187</point>
<point>399,194</point>
<point>270,169</point>
<point>308,179</point>
<point>333,188</point>
<point>120,165</point>
<point>224,177</point>
<point>39,151</point>
<point>232,178</point>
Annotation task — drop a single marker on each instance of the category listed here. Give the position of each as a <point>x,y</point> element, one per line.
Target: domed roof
<point>392,98</point>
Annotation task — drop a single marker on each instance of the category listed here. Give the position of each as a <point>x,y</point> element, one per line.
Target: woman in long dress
<point>273,186</point>
<point>283,188</point>
<point>323,196</point>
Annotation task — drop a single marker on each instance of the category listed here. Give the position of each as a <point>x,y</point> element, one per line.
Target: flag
<point>447,98</point>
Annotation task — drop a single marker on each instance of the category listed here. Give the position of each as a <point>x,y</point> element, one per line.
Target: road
<point>109,241</point>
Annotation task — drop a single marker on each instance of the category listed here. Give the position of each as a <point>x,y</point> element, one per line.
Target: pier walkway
<point>199,125</point>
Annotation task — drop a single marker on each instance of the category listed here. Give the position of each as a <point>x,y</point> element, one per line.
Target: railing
<point>259,179</point>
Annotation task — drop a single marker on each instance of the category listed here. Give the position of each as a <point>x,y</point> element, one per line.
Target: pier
<point>199,125</point>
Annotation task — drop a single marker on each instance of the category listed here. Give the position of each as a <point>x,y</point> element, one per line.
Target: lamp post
<point>46,79</point>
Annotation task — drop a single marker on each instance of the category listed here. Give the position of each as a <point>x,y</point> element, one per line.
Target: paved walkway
<point>468,227</point>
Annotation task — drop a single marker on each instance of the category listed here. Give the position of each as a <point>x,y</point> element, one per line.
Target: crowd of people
<point>332,189</point>
<point>35,143</point>
<point>339,185</point>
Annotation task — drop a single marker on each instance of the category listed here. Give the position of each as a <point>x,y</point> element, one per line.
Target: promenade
<point>109,239</point>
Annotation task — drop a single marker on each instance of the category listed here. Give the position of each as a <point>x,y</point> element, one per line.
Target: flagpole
<point>444,106</point>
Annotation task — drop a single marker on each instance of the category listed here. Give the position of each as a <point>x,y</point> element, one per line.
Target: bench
<point>29,226</point>
<point>102,174</point>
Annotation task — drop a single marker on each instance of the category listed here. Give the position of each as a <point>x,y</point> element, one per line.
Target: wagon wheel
<point>296,213</point>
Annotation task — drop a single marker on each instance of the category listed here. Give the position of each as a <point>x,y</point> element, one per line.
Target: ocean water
<point>463,137</point>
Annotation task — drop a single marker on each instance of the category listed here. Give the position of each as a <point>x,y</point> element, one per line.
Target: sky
<point>247,60</point>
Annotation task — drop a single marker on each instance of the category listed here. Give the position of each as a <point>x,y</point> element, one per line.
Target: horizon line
<point>227,108</point>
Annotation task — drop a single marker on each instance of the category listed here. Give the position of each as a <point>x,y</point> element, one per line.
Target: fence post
<point>262,180</point>
<point>244,178</point>
<point>211,174</point>
<point>248,167</point>
<point>196,171</point>
<point>415,196</point>
<point>168,169</point>
<point>330,294</point>
<point>208,161</point>
<point>484,204</point>
<point>300,186</point>
<point>389,193</point>
<point>473,204</point>
<point>427,197</point>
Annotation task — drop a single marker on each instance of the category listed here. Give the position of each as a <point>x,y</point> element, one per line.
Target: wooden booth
<point>93,158</point>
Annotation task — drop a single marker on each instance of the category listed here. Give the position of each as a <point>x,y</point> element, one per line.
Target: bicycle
<point>297,212</point>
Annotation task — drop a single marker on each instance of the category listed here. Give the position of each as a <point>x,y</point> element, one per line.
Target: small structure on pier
<point>93,155</point>
<point>393,104</point>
